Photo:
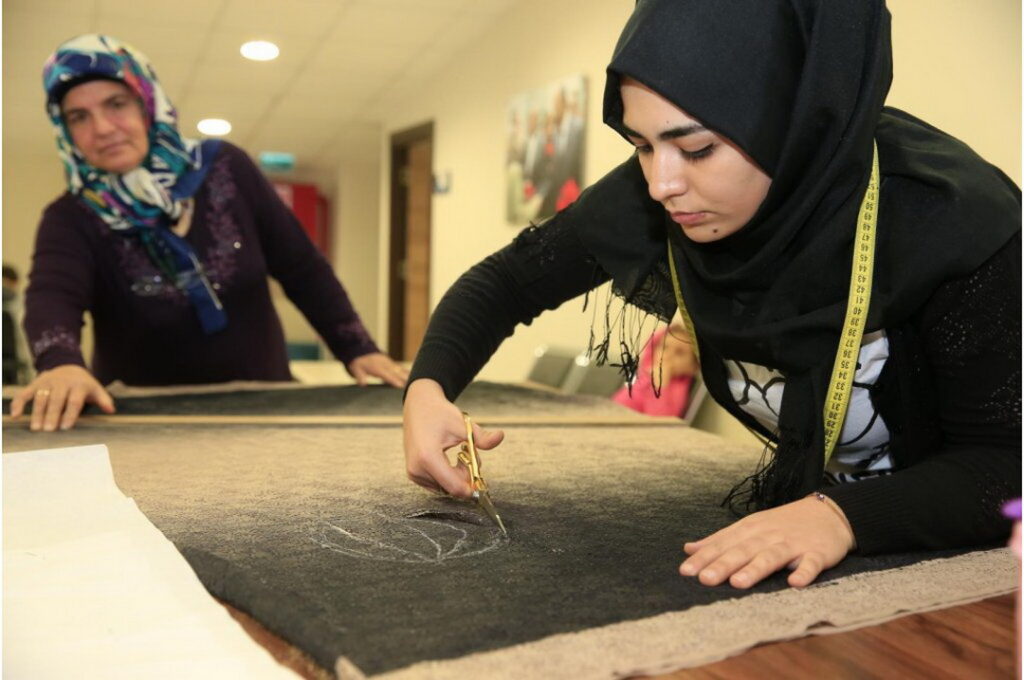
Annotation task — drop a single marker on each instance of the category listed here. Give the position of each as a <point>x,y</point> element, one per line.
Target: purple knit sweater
<point>146,331</point>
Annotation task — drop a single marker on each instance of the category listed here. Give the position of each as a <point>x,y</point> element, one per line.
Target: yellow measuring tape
<point>845,367</point>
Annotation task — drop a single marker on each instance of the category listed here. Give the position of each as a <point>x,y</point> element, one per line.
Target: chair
<point>698,392</point>
<point>586,377</point>
<point>550,365</point>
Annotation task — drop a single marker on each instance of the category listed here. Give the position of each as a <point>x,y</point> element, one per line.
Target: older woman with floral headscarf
<point>167,242</point>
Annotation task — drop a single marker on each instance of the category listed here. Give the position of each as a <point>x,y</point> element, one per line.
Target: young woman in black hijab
<point>751,200</point>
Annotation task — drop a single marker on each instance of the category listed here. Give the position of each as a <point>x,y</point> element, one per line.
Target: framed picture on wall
<point>546,136</point>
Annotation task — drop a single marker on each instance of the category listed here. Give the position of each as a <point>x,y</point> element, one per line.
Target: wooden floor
<point>974,642</point>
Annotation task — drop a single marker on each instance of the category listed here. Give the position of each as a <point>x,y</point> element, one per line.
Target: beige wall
<point>32,178</point>
<point>356,241</point>
<point>534,43</point>
<point>354,195</point>
<point>957,65</point>
<point>30,182</point>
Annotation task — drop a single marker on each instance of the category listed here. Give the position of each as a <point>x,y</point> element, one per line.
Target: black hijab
<point>799,85</point>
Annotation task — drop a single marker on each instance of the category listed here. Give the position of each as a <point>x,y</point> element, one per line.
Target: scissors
<point>469,457</point>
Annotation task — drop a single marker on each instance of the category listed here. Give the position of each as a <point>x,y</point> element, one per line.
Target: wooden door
<point>417,246</point>
<point>412,186</point>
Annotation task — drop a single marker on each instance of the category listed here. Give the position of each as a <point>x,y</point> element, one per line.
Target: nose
<point>102,124</point>
<point>665,178</point>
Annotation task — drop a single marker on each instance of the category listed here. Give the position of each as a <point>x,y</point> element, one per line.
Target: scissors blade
<point>484,499</point>
<point>471,459</point>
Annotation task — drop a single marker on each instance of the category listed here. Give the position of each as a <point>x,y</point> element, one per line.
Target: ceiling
<point>342,63</point>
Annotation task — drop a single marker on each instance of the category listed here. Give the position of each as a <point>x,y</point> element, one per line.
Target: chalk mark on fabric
<point>421,538</point>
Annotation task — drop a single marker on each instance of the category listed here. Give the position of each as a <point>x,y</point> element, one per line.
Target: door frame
<point>400,142</point>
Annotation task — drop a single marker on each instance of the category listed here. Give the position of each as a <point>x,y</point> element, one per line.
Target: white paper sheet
<point>93,590</point>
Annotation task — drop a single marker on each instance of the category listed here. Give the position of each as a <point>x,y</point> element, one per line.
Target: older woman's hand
<point>377,365</point>
<point>808,536</point>
<point>58,396</point>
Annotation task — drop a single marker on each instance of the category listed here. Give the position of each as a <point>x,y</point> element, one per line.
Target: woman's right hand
<point>432,425</point>
<point>58,396</point>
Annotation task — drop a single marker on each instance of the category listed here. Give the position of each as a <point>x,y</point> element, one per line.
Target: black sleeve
<point>542,268</point>
<point>60,287</point>
<point>970,333</point>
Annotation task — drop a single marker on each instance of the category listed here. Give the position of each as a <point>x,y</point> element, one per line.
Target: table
<point>966,645</point>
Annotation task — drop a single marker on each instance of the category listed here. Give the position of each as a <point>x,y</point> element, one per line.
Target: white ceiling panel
<point>388,101</point>
<point>362,53</point>
<point>33,38</point>
<point>312,110</point>
<point>160,43</point>
<point>241,129</point>
<point>465,6</point>
<point>259,81</point>
<point>491,6</point>
<point>464,30</point>
<point>443,50</point>
<point>336,84</point>
<point>224,45</point>
<point>198,12</point>
<point>449,6</point>
<point>173,76</point>
<point>390,25</point>
<point>335,92</point>
<point>343,63</point>
<point>296,17</point>
<point>50,7</point>
<point>213,104</point>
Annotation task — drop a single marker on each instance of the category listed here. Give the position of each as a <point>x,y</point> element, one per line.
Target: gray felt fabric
<point>317,533</point>
<point>493,398</point>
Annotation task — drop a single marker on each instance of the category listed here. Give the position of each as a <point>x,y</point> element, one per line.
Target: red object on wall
<point>311,210</point>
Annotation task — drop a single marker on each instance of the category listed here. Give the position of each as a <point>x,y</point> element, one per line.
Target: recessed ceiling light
<point>260,50</point>
<point>214,127</point>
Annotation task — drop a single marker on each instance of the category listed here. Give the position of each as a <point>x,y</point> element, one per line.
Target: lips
<point>116,146</point>
<point>689,219</point>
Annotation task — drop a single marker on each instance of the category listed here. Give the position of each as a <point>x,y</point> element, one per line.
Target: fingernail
<point>710,574</point>
<point>687,570</point>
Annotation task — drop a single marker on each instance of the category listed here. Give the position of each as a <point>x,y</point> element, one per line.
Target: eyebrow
<point>105,101</point>
<point>671,133</point>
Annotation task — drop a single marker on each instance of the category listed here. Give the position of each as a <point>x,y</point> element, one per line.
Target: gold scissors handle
<point>471,459</point>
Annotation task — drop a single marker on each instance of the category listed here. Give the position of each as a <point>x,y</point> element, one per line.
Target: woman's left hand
<point>808,536</point>
<point>377,365</point>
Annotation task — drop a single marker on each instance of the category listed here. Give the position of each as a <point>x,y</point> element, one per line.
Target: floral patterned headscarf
<point>148,199</point>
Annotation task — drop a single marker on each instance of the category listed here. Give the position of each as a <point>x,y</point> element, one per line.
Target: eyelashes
<point>693,156</point>
<point>699,154</point>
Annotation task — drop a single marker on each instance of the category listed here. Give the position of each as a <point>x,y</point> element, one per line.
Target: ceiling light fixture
<point>214,127</point>
<point>260,50</point>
